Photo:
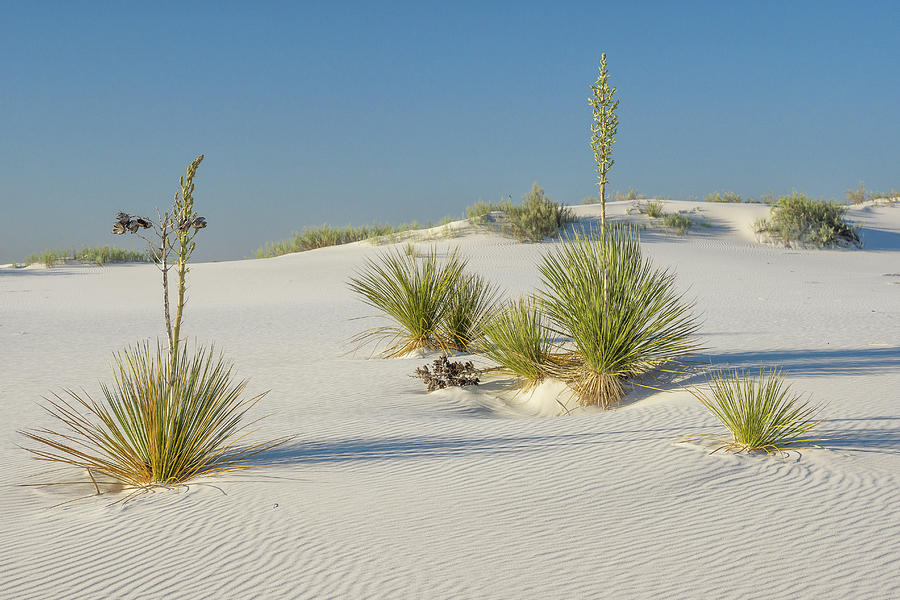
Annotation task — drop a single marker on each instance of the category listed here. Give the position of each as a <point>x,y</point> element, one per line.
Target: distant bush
<point>797,218</point>
<point>654,209</point>
<point>99,255</point>
<point>320,237</point>
<point>861,194</point>
<point>537,217</point>
<point>760,412</point>
<point>631,194</point>
<point>478,212</point>
<point>730,197</point>
<point>678,222</point>
<point>445,373</point>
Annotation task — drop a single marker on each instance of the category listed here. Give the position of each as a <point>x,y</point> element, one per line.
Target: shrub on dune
<point>798,218</point>
<point>760,412</point>
<point>415,293</point>
<point>153,428</point>
<point>469,307</point>
<point>518,340</point>
<point>624,316</point>
<point>537,217</point>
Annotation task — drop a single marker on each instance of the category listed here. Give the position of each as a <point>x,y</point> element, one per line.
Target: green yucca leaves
<point>518,340</point>
<point>469,307</point>
<point>760,412</point>
<point>414,292</point>
<point>153,430</point>
<point>624,316</point>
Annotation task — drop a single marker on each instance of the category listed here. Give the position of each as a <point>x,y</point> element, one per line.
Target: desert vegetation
<point>536,218</point>
<point>624,317</point>
<point>760,412</point>
<point>518,339</point>
<point>727,197</point>
<point>802,220</point>
<point>97,255</point>
<point>171,414</point>
<point>326,235</point>
<point>445,373</point>
<point>603,131</point>
<point>861,194</point>
<point>431,303</point>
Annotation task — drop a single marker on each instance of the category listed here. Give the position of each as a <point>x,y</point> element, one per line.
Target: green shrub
<point>153,429</point>
<point>861,194</point>
<point>678,222</point>
<point>730,197</point>
<point>624,317</point>
<point>518,340</point>
<point>415,293</point>
<point>537,217</point>
<point>654,209</point>
<point>99,255</point>
<point>631,195</point>
<point>469,307</point>
<point>326,235</point>
<point>797,218</point>
<point>760,412</point>
<point>478,212</point>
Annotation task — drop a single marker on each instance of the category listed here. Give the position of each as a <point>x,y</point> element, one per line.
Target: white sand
<point>391,493</point>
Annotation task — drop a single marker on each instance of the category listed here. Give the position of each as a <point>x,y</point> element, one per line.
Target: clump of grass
<point>760,412</point>
<point>326,235</point>
<point>678,222</point>
<point>630,195</point>
<point>797,218</point>
<point>469,308</point>
<point>537,217</point>
<point>99,255</point>
<point>861,194</point>
<point>518,340</point>
<point>624,316</point>
<point>654,208</point>
<point>415,293</point>
<point>729,197</point>
<point>477,213</point>
<point>155,427</point>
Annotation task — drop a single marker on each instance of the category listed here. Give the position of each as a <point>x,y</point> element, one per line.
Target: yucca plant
<point>415,293</point>
<point>153,429</point>
<point>761,412</point>
<point>470,305</point>
<point>624,316</point>
<point>518,340</point>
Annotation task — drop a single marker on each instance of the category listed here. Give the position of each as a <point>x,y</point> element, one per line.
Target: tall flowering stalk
<point>174,232</point>
<point>603,132</point>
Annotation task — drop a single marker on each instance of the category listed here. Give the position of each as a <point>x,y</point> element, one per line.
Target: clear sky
<point>356,112</point>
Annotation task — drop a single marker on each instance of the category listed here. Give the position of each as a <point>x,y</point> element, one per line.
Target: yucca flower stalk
<point>760,412</point>
<point>153,427</point>
<point>415,293</point>
<point>518,340</point>
<point>624,316</point>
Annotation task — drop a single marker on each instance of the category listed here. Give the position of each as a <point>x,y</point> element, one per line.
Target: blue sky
<point>308,112</point>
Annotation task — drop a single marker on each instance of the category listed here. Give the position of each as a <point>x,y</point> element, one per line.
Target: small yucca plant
<point>155,427</point>
<point>415,293</point>
<point>469,307</point>
<point>518,340</point>
<point>624,316</point>
<point>760,412</point>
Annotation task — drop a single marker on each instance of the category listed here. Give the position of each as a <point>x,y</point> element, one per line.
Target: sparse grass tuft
<point>729,197</point>
<point>153,429</point>
<point>478,212</point>
<point>630,195</point>
<point>415,293</point>
<point>797,218</point>
<point>537,217</point>
<point>678,222</point>
<point>98,255</point>
<point>518,340</point>
<point>654,208</point>
<point>326,235</point>
<point>760,412</point>
<point>625,317</point>
<point>861,194</point>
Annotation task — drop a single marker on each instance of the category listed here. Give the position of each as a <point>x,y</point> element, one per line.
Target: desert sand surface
<point>389,492</point>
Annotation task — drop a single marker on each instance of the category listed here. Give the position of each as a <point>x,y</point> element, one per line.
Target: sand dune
<point>388,492</point>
